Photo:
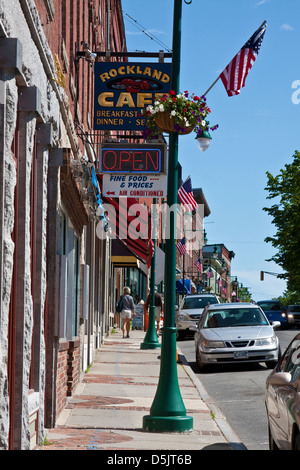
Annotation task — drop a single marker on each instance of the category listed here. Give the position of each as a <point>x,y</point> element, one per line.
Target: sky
<point>258,129</point>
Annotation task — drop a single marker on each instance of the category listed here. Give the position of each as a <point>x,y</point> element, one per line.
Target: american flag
<point>210,274</point>
<point>185,195</point>
<point>199,266</point>
<point>234,75</point>
<point>181,246</point>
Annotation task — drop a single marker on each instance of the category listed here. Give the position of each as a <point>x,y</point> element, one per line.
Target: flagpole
<point>212,85</point>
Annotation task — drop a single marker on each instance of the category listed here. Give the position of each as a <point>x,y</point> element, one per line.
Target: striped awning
<point>131,223</point>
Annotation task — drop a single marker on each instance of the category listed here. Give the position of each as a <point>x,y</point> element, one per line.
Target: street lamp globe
<point>203,140</point>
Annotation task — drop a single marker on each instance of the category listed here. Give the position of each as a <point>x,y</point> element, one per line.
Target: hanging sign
<point>134,185</point>
<point>123,89</point>
<point>132,158</point>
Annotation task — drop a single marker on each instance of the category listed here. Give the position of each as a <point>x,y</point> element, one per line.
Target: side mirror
<point>280,379</point>
<point>276,324</point>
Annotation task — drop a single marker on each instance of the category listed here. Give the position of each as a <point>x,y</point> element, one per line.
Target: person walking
<point>158,308</point>
<point>127,311</point>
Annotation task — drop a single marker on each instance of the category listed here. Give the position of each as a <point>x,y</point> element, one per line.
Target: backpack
<point>119,306</point>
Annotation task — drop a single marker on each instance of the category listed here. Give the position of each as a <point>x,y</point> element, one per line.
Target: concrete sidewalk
<point>106,412</point>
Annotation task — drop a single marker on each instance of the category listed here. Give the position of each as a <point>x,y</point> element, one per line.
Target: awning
<point>187,286</point>
<point>125,262</point>
<point>159,265</point>
<point>121,257</point>
<point>130,223</point>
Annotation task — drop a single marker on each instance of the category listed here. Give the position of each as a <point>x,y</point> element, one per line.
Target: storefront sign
<point>123,89</point>
<point>137,186</point>
<point>132,158</point>
<point>138,320</point>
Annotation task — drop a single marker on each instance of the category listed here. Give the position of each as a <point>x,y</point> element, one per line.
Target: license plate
<point>240,355</point>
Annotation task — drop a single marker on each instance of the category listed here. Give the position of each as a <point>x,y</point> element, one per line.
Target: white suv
<point>190,310</point>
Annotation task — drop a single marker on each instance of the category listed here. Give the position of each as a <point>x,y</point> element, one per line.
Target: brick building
<point>60,271</point>
<point>56,280</point>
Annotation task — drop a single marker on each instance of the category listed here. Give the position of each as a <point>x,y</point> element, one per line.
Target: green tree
<point>285,187</point>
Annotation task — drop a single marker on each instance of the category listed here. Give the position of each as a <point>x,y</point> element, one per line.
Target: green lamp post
<point>151,339</point>
<point>168,413</point>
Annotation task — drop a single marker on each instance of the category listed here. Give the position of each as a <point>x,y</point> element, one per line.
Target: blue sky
<point>258,129</point>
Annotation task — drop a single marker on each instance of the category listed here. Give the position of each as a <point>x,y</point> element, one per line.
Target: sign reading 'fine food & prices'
<point>122,90</point>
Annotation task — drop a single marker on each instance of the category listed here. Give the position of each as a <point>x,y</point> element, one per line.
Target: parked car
<point>293,314</point>
<point>283,399</point>
<point>274,311</point>
<point>190,310</point>
<point>234,333</point>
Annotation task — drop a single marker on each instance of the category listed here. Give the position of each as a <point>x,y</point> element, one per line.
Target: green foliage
<point>289,298</point>
<point>285,188</point>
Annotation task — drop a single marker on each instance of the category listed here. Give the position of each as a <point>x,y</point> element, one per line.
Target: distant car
<point>282,400</point>
<point>190,310</point>
<point>293,314</point>
<point>274,311</point>
<point>234,333</point>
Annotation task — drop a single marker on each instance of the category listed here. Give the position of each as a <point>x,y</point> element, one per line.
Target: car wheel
<point>180,334</point>
<point>199,362</point>
<point>272,443</point>
<point>273,364</point>
<point>296,444</point>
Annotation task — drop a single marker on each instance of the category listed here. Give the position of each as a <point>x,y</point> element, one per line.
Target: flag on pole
<point>219,282</point>
<point>234,75</point>
<point>210,274</point>
<point>181,246</point>
<point>185,195</point>
<point>199,266</point>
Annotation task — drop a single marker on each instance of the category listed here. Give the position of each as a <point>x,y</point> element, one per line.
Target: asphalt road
<point>239,392</point>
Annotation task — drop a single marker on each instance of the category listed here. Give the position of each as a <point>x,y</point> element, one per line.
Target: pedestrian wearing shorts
<point>127,312</point>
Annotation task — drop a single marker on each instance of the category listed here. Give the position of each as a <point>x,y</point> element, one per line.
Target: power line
<point>146,32</point>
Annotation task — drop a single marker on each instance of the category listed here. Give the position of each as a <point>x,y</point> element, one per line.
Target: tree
<point>286,218</point>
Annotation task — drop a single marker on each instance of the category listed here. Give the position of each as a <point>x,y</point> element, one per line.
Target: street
<point>239,392</point>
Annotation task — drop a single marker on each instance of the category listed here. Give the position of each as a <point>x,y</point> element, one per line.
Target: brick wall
<point>61,383</point>
<point>68,372</point>
<point>73,371</point>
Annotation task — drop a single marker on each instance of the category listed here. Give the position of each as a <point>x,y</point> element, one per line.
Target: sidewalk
<point>106,412</point>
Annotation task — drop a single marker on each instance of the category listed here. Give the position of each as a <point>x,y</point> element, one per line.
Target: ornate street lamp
<point>203,140</point>
<point>168,413</point>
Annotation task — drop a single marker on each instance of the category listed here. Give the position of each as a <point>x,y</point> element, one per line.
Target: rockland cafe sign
<point>135,170</point>
<point>122,90</point>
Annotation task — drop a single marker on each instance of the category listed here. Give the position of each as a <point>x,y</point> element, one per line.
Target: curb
<point>219,418</point>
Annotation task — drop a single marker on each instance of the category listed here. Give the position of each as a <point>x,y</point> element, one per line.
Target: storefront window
<point>69,279</point>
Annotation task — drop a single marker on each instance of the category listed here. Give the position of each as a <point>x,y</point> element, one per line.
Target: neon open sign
<point>132,159</point>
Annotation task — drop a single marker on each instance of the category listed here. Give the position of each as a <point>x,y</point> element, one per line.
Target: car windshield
<point>234,317</point>
<point>197,302</point>
<point>266,306</point>
<point>294,308</point>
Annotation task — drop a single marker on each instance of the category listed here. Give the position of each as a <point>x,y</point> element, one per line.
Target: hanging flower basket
<point>166,123</point>
<point>177,113</point>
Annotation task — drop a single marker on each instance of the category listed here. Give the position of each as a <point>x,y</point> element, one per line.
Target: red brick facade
<point>67,25</point>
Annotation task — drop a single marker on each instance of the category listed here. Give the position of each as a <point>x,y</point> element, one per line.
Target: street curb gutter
<point>219,418</point>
